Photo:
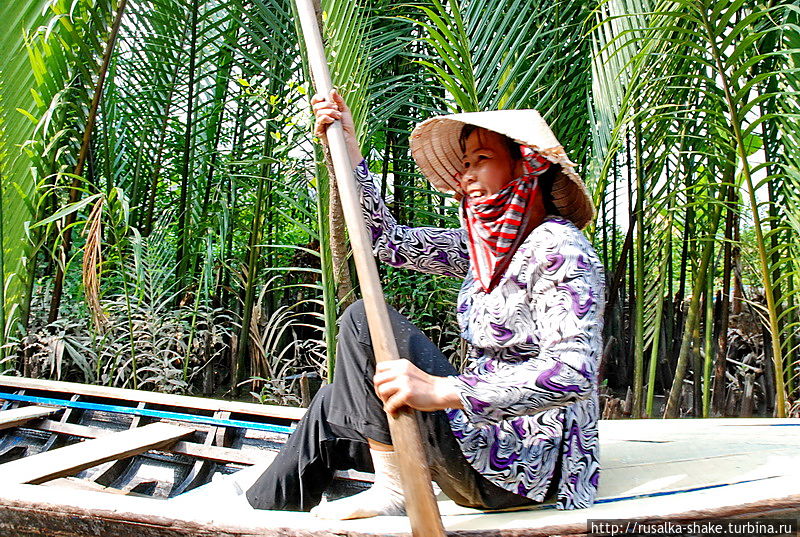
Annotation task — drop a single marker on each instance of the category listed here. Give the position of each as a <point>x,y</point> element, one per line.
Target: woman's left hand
<point>400,383</point>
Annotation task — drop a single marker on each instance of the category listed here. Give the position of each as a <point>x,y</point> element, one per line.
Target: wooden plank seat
<point>18,416</point>
<point>76,457</point>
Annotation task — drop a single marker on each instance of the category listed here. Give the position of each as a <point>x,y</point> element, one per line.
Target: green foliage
<point>702,82</point>
<point>44,52</point>
<point>214,255</point>
<point>145,338</point>
<point>492,55</point>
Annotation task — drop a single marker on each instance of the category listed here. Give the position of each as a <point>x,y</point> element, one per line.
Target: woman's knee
<point>318,408</point>
<point>353,322</point>
<point>354,313</point>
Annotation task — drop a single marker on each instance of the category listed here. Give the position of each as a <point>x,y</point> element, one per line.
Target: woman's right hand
<point>328,109</point>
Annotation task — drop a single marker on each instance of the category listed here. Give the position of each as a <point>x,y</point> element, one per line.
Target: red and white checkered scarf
<point>496,225</point>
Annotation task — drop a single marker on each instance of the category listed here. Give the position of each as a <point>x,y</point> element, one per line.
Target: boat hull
<point>676,471</point>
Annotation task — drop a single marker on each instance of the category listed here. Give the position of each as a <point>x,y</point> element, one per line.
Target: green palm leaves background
<point>155,157</point>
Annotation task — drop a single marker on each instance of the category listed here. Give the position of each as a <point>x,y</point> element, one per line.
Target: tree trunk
<point>184,210</point>
<point>692,318</point>
<point>738,288</point>
<point>340,251</point>
<point>718,399</point>
<point>639,304</point>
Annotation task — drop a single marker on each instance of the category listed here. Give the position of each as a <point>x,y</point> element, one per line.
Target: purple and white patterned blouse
<point>530,391</point>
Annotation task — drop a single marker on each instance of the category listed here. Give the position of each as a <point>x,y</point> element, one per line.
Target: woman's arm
<point>426,249</point>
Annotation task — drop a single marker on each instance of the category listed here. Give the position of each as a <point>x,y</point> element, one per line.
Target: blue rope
<point>781,425</point>
<point>178,416</point>
<point>548,507</point>
<point>670,492</point>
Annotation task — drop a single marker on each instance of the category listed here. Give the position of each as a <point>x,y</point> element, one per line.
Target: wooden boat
<point>78,460</point>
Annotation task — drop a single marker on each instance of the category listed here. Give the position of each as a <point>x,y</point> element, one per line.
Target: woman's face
<point>488,165</point>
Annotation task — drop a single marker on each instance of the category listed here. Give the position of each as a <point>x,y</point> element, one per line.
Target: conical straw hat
<point>435,147</point>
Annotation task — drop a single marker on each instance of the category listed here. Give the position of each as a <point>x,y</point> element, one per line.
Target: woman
<point>520,425</point>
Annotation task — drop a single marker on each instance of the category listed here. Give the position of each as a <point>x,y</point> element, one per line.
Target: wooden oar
<point>421,506</point>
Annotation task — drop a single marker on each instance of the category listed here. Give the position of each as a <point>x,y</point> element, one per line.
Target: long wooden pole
<point>421,506</point>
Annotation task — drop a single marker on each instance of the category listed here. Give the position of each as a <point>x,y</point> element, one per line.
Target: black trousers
<point>343,415</point>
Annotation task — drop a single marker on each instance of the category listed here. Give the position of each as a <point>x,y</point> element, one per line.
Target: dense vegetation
<point>167,222</point>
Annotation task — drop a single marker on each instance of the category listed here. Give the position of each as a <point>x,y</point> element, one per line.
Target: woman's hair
<point>546,179</point>
<point>467,129</point>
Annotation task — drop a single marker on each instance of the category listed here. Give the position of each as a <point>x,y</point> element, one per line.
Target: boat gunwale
<point>140,396</point>
<point>132,513</point>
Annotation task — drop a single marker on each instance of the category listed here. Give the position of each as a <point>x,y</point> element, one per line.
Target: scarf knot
<point>495,225</point>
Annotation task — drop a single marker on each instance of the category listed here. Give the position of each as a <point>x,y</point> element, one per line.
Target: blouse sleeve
<point>565,307</point>
<point>426,249</point>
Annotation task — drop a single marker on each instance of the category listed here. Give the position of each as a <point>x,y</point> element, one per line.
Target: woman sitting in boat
<point>519,426</point>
